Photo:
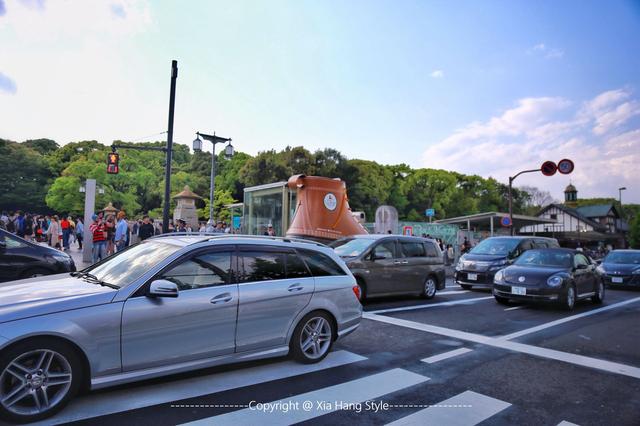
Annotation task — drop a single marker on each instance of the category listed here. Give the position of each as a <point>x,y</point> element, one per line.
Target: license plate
<point>617,280</point>
<point>472,277</point>
<point>519,290</point>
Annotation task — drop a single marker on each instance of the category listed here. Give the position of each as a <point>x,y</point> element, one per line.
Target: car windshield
<point>351,247</point>
<point>496,246</point>
<point>623,257</point>
<point>545,258</point>
<point>129,265</point>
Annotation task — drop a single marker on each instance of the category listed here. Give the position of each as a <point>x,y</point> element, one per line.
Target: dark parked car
<point>20,258</point>
<point>549,275</point>
<point>386,265</point>
<point>621,268</point>
<point>477,268</point>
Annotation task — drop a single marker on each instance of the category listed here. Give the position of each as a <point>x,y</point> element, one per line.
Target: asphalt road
<point>459,359</point>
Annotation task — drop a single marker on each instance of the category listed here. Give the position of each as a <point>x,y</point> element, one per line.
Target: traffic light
<point>113,158</point>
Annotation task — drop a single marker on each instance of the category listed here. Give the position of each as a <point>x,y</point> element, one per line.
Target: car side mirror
<point>582,266</point>
<point>162,288</point>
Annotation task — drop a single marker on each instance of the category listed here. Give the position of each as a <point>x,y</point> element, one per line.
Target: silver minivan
<point>170,304</point>
<point>386,265</point>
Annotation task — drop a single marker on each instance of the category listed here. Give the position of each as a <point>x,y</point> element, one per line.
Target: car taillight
<point>356,291</point>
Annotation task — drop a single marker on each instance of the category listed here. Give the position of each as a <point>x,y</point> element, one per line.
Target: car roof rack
<point>218,235</point>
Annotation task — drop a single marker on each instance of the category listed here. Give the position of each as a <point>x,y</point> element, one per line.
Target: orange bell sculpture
<point>322,210</point>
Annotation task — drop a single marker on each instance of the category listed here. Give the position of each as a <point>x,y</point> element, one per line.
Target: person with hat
<point>270,232</point>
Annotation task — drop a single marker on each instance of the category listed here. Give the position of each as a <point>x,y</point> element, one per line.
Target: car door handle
<point>295,287</point>
<point>405,262</point>
<point>396,262</point>
<point>221,298</point>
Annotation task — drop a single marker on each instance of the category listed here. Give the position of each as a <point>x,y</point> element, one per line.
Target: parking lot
<point>460,358</point>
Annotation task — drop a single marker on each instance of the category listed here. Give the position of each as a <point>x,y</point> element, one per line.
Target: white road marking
<point>567,319</point>
<point>446,355</point>
<point>453,292</point>
<point>515,307</point>
<point>566,423</point>
<point>499,342</point>
<point>475,409</point>
<point>349,393</point>
<point>104,403</point>
<point>432,305</point>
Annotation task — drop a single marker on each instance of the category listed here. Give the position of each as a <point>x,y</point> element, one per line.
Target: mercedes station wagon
<point>170,304</point>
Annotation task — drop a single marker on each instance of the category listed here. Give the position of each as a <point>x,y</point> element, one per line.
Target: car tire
<point>430,287</point>
<point>363,289</point>
<point>465,286</point>
<point>502,300</point>
<point>599,296</point>
<point>28,369</point>
<point>313,338</point>
<point>35,272</point>
<point>568,299</point>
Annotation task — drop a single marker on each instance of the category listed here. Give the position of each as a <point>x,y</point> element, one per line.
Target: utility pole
<point>167,169</point>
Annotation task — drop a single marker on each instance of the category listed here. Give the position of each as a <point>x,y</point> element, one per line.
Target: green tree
<point>634,232</point>
<point>24,178</point>
<point>43,146</point>
<point>220,212</point>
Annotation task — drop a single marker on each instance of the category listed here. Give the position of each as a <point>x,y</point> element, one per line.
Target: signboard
<point>407,230</point>
<point>549,168</point>
<point>430,212</point>
<point>505,221</point>
<point>565,166</point>
<point>330,201</point>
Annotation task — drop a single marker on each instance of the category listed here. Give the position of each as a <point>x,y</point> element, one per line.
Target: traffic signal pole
<point>167,170</point>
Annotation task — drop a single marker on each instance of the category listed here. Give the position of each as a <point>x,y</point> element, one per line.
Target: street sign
<point>430,212</point>
<point>549,168</point>
<point>407,230</point>
<point>505,221</point>
<point>565,166</point>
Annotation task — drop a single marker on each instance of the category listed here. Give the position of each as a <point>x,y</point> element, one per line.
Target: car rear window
<point>412,249</point>
<point>320,264</point>
<point>261,266</point>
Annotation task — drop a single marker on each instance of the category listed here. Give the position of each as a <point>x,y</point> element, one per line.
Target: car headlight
<point>459,265</point>
<point>554,281</point>
<point>498,265</point>
<point>499,277</point>
<point>600,270</point>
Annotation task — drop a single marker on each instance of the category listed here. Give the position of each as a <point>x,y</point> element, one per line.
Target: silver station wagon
<point>171,304</point>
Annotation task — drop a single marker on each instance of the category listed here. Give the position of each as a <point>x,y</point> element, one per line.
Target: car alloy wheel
<point>316,337</point>
<point>570,298</point>
<point>35,382</point>
<point>429,288</point>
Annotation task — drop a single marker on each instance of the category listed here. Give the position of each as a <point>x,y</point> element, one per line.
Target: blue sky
<point>477,87</point>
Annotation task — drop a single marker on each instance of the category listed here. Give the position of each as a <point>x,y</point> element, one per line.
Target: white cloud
<point>546,51</point>
<point>437,74</point>
<point>598,136</point>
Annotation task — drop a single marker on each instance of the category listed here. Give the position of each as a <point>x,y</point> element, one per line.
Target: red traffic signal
<point>113,159</point>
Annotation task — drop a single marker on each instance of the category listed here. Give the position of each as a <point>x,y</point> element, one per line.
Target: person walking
<point>110,227</point>
<point>146,229</point>
<point>29,228</point>
<point>99,236</point>
<point>53,233</point>
<point>121,231</point>
<point>79,232</point>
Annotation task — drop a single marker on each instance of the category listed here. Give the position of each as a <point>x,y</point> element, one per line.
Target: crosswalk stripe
<point>446,355</point>
<point>466,409</point>
<point>94,405</point>
<point>323,401</point>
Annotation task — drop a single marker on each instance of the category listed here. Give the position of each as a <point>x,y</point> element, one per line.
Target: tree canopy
<point>41,176</point>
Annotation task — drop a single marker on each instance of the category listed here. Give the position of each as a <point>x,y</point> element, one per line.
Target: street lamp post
<point>620,195</point>
<point>228,152</point>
